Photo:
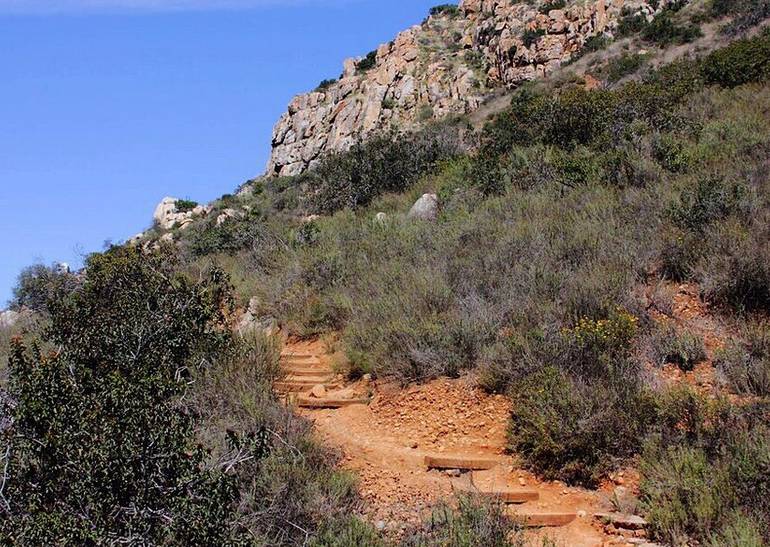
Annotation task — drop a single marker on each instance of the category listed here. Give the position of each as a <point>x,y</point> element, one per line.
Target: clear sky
<point>107,106</point>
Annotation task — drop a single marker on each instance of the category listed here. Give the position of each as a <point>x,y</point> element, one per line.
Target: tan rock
<point>318,391</point>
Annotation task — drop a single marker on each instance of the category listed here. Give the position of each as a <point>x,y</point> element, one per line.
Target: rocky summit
<point>447,65</point>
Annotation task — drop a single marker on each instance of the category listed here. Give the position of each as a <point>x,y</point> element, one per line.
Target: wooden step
<point>542,520</point>
<point>469,463</point>
<point>298,387</point>
<point>298,356</point>
<point>315,379</point>
<point>311,402</point>
<point>306,371</point>
<point>512,496</point>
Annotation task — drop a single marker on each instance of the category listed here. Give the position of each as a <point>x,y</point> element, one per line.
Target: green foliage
<point>745,13</point>
<point>709,480</point>
<point>530,36</point>
<point>368,62</point>
<point>185,205</point>
<point>746,362</point>
<point>574,430</point>
<point>710,200</point>
<point>475,522</point>
<point>671,152</point>
<point>326,84</point>
<point>741,62</point>
<point>226,237</point>
<point>99,448</point>
<point>37,285</point>
<point>685,350</point>
<point>445,9</point>
<point>664,31</point>
<point>552,5</point>
<point>622,66</point>
<point>383,163</point>
<point>631,24</point>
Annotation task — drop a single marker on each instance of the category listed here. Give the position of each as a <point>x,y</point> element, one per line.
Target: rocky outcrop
<point>446,65</point>
<point>167,214</point>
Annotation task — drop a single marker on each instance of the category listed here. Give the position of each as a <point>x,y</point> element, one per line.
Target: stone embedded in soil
<point>318,391</point>
<point>619,520</point>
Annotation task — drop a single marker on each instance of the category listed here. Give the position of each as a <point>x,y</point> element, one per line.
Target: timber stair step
<point>314,379</point>
<point>533,519</point>
<point>469,463</point>
<point>311,402</point>
<point>509,495</point>
<point>307,371</point>
<point>298,357</point>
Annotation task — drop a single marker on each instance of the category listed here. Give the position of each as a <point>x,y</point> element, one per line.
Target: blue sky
<point>107,106</point>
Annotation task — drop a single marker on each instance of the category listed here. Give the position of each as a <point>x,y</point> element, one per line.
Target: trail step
<point>460,462</point>
<point>304,386</point>
<point>298,356</point>
<point>543,520</point>
<point>512,496</point>
<point>315,379</point>
<point>310,402</point>
<point>314,372</point>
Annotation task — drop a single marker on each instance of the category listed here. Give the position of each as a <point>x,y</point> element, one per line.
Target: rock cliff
<point>446,65</point>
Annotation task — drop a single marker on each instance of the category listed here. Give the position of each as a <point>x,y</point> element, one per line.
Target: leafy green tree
<point>97,447</point>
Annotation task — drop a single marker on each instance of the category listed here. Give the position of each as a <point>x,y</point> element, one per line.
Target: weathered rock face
<point>446,65</point>
<point>168,216</point>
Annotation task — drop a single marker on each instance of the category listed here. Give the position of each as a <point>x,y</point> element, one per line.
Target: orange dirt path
<point>385,444</point>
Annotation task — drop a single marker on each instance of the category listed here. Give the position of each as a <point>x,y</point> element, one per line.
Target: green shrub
<point>741,62</point>
<point>229,236</point>
<point>685,495</point>
<point>531,36</point>
<point>368,62</point>
<point>692,494</point>
<point>746,363</point>
<point>670,151</point>
<point>383,163</point>
<point>680,254</point>
<point>473,523</point>
<point>185,205</point>
<point>99,448</point>
<point>326,84</point>
<point>745,13</point>
<point>577,431</point>
<point>622,66</point>
<point>349,531</point>
<point>552,5</point>
<point>736,273</point>
<point>445,9</point>
<point>710,200</point>
<point>685,350</point>
<point>631,24</point>
<point>705,471</point>
<point>662,30</point>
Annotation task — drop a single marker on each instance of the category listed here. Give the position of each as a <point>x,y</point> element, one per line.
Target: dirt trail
<point>386,443</point>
